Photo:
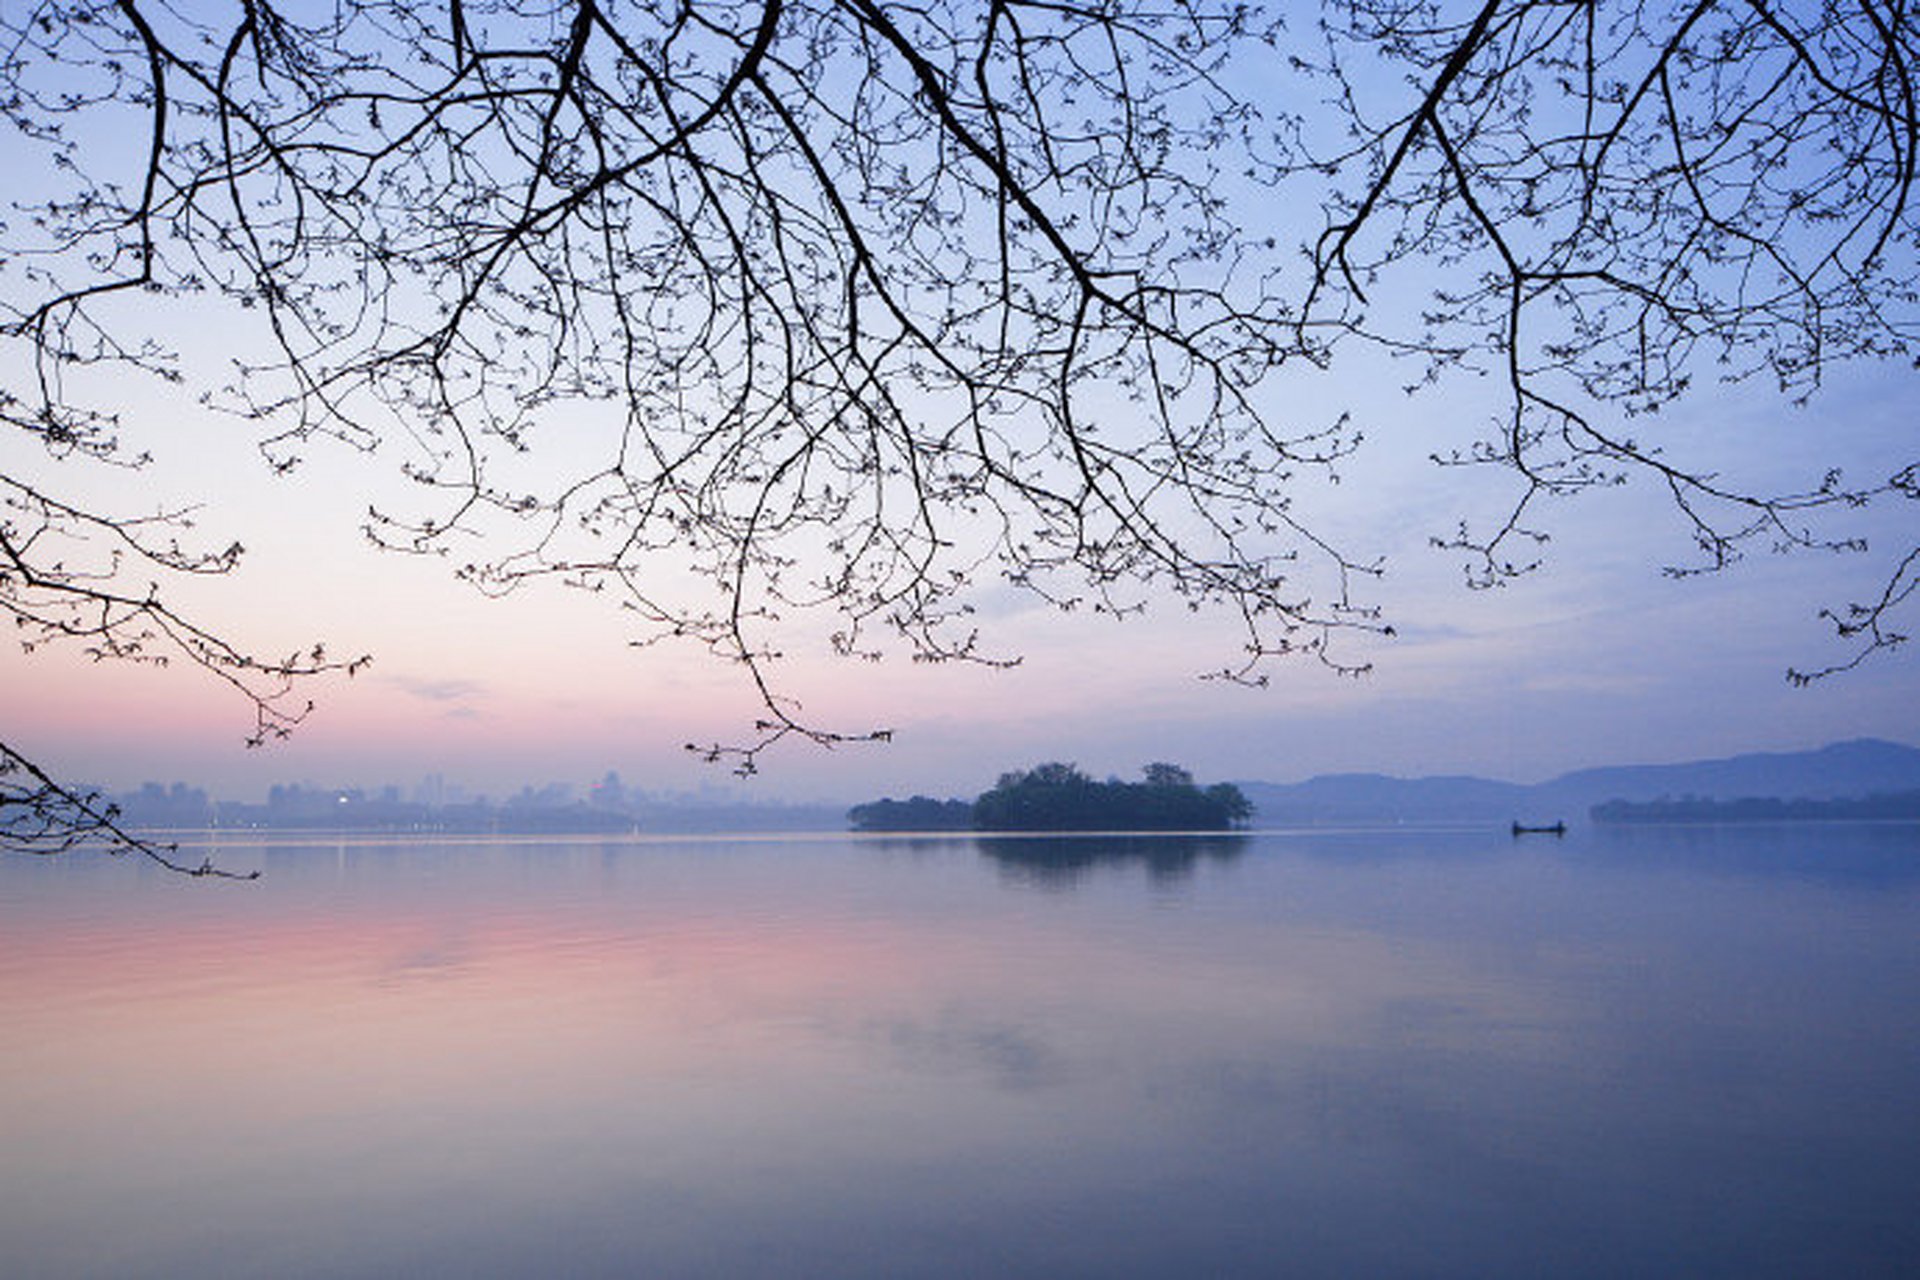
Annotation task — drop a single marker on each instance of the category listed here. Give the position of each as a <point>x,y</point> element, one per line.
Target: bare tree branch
<point>42,817</point>
<point>751,312</point>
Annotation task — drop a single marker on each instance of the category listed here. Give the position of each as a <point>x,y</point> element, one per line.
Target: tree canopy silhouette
<point>843,306</point>
<point>1059,797</point>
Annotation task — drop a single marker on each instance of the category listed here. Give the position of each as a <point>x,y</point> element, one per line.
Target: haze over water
<point>1364,1053</point>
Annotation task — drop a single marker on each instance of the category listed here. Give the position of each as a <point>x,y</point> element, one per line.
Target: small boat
<point>1556,829</point>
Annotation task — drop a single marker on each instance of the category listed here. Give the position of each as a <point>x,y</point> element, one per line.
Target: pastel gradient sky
<point>1596,658</point>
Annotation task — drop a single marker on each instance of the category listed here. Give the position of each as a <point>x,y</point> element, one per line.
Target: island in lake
<point>1059,797</point>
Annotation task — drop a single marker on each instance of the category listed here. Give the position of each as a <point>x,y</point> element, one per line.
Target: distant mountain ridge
<point>1857,768</point>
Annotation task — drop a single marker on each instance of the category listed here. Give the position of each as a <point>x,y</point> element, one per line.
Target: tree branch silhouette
<point>1628,192</point>
<point>743,312</point>
<point>43,817</point>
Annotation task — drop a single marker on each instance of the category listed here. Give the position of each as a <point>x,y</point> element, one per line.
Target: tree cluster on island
<point>1059,797</point>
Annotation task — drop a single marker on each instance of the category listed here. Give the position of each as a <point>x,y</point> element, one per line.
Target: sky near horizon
<point>1596,658</point>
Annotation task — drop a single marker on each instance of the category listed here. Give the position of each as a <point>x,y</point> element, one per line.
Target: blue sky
<point>1595,658</point>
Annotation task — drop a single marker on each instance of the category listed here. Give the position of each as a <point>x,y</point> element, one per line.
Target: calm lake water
<point>1404,1053</point>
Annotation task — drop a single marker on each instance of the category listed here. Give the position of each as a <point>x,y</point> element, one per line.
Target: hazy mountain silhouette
<point>1862,767</point>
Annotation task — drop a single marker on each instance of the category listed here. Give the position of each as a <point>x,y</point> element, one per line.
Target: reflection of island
<point>1064,861</point>
<point>1058,797</point>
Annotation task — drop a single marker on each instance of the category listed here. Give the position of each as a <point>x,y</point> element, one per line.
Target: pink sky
<point>1588,663</point>
<point>1595,659</point>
